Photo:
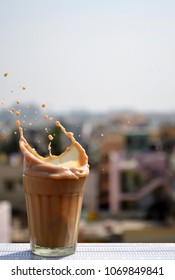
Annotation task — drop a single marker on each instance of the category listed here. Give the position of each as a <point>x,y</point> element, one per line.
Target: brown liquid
<point>54,188</point>
<point>53,209</point>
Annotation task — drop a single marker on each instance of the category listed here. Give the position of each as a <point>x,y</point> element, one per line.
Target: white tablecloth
<point>96,251</point>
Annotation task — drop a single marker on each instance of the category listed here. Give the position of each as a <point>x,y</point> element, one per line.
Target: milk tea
<point>54,188</point>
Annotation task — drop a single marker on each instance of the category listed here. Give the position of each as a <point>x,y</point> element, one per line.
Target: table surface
<point>96,251</point>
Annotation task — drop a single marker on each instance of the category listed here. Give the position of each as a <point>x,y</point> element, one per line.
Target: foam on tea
<point>73,163</point>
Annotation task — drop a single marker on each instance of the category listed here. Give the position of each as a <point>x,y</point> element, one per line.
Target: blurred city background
<point>104,69</point>
<point>130,192</point>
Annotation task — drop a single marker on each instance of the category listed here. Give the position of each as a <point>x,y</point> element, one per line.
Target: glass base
<point>53,252</point>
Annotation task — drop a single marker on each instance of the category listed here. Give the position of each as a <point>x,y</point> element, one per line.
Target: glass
<point>53,211</point>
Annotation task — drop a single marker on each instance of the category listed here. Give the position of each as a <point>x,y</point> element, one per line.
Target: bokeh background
<point>105,70</point>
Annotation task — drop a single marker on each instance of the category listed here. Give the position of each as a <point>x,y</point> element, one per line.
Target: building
<point>11,186</point>
<point>132,169</point>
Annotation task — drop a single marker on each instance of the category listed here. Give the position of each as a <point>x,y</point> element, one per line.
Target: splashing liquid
<point>72,163</point>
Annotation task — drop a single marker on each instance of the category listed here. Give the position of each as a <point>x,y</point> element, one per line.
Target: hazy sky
<point>89,54</point>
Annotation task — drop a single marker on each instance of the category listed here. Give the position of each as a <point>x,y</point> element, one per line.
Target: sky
<point>96,55</point>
